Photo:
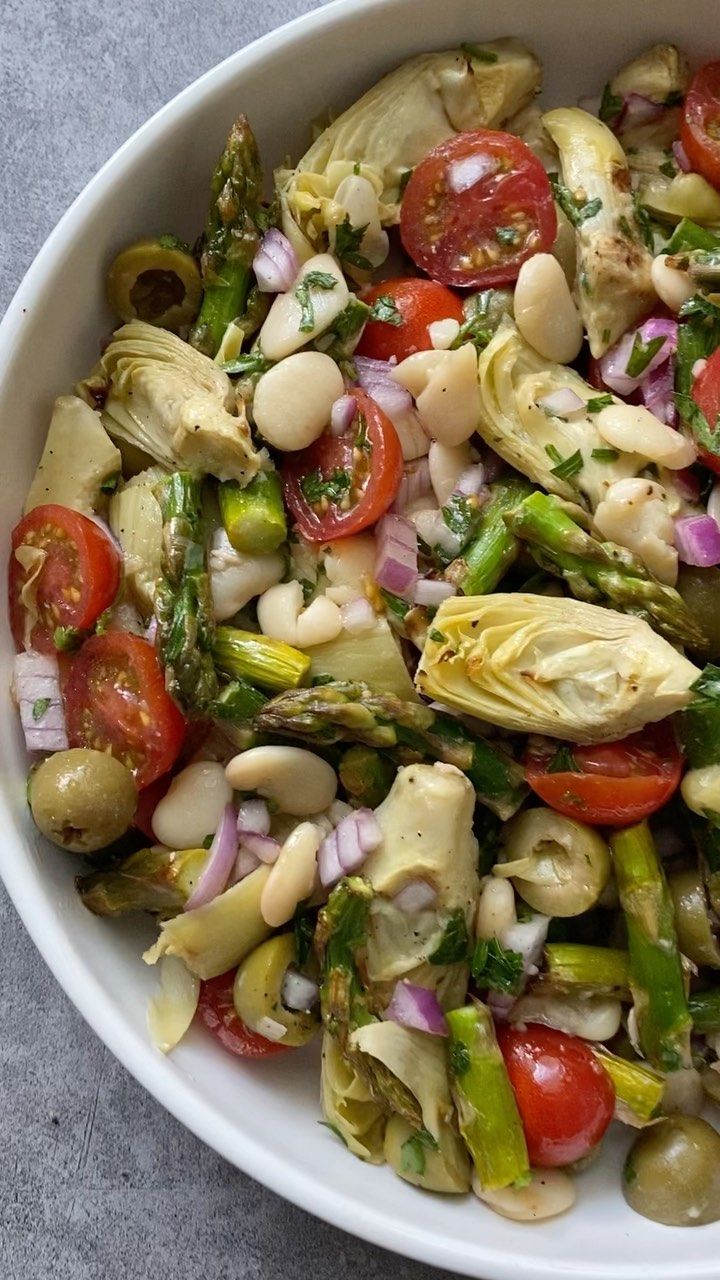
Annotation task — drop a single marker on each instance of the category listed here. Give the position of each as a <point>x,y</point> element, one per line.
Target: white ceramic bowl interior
<point>263,1118</point>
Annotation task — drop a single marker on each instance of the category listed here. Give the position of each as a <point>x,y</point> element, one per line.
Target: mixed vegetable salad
<point>366,600</point>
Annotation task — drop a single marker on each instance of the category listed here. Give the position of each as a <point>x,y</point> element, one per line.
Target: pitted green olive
<point>157,281</point>
<point>257,993</point>
<point>692,921</point>
<point>672,1173</point>
<point>82,800</point>
<point>558,866</point>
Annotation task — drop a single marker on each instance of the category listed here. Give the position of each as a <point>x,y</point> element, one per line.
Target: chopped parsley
<point>65,638</point>
<point>405,177</point>
<point>642,217</point>
<point>575,208</point>
<point>462,515</point>
<point>412,1152</point>
<point>385,310</point>
<point>40,706</point>
<point>339,340</point>
<point>698,337</point>
<point>624,227</point>
<point>356,168</point>
<point>313,280</point>
<point>506,235</point>
<point>667,168</point>
<point>250,365</point>
<point>688,235</point>
<point>110,484</point>
<point>605,455</point>
<point>585,284</point>
<point>207,841</point>
<point>641,354</point>
<point>316,486</point>
<point>496,967</point>
<point>361,439</point>
<point>611,104</point>
<point>347,244</point>
<point>562,762</point>
<point>476,51</point>
<point>173,242</point>
<point>437,636</point>
<point>459,1058</point>
<point>565,468</point>
<point>455,942</point>
<point>599,402</point>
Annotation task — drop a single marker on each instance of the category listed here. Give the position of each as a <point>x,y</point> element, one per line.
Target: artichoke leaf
<point>561,667</point>
<point>348,1105</point>
<point>408,1070</point>
<point>217,936</point>
<point>661,74</point>
<point>135,518</point>
<point>78,459</point>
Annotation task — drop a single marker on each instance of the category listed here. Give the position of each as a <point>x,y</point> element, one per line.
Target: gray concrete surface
<point>97,1182</point>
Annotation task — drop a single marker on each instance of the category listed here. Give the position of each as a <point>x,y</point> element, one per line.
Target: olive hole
<point>155,292</point>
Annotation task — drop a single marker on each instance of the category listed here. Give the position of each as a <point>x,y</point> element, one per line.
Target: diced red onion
<point>357,616</point>
<point>613,365</point>
<point>298,992</point>
<point>36,680</point>
<point>253,815</point>
<point>463,174</point>
<point>681,156</point>
<point>245,864</point>
<point>342,415</point>
<point>393,399</point>
<point>275,264</point>
<point>368,829</point>
<point>658,392</point>
<point>414,484</point>
<point>220,862</point>
<point>562,402</point>
<point>432,591</point>
<point>264,848</point>
<point>470,481</point>
<point>346,848</point>
<point>697,539</point>
<point>416,895</point>
<point>396,565</point>
<point>417,1007</point>
<point>713,505</point>
<point>330,871</point>
<point>637,110</point>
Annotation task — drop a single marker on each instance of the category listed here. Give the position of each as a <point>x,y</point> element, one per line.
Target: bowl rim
<point>155,1073</point>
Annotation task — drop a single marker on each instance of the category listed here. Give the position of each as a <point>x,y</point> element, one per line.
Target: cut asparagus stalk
<point>158,880</point>
<point>600,572</point>
<point>238,702</point>
<point>343,711</point>
<point>494,548</point>
<point>656,977</point>
<point>704,1009</point>
<point>366,775</point>
<point>341,933</point>
<point>489,1119</point>
<point>254,517</point>
<point>638,1089</point>
<point>272,664</point>
<point>576,968</point>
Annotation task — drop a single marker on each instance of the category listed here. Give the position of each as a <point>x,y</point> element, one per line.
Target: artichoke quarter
<point>538,664</point>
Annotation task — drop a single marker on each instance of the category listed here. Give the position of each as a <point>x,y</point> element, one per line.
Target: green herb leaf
<point>347,244</point>
<point>405,177</point>
<point>250,365</point>
<point>565,468</point>
<point>172,242</point>
<point>412,1152</point>
<point>462,515</point>
<point>207,841</point>
<point>605,455</point>
<point>455,942</point>
<point>674,98</point>
<point>563,762</point>
<point>39,707</point>
<point>385,310</point>
<point>339,340</point>
<point>667,168</point>
<point>437,636</point>
<point>66,639</point>
<point>356,168</point>
<point>641,354</point>
<point>642,217</point>
<point>575,210</point>
<point>624,227</point>
<point>506,235</point>
<point>361,439</point>
<point>313,280</point>
<point>304,930</point>
<point>476,51</point>
<point>110,484</point>
<point>459,1058</point>
<point>611,104</point>
<point>599,402</point>
<point>496,967</point>
<point>316,486</point>
<point>688,235</point>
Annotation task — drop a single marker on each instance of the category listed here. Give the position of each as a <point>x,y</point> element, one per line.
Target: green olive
<point>700,589</point>
<point>157,281</point>
<point>557,865</point>
<point>692,920</point>
<point>672,1172</point>
<point>258,987</point>
<point>82,800</point>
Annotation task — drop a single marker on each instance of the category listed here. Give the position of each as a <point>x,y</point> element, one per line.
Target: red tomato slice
<point>216,1011</point>
<point>479,236</point>
<point>79,577</point>
<point>565,1098</point>
<point>420,303</point>
<point>616,783</point>
<point>706,394</point>
<point>115,700</point>
<point>362,469</point>
<point>700,125</point>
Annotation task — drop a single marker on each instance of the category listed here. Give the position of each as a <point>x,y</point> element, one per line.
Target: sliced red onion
<point>697,539</point>
<point>613,365</point>
<point>275,264</point>
<point>562,402</point>
<point>416,895</point>
<point>463,174</point>
<point>396,565</point>
<point>342,415</point>
<point>245,864</point>
<point>414,484</point>
<point>713,504</point>
<point>36,688</point>
<point>470,481</point>
<point>357,616</point>
<point>681,156</point>
<point>432,591</point>
<point>658,392</point>
<point>637,110</point>
<point>264,848</point>
<point>330,871</point>
<point>298,993</point>
<point>220,862</point>
<point>253,815</point>
<point>417,1007</point>
<point>346,848</point>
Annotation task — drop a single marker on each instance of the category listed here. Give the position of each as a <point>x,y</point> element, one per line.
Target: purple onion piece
<point>220,862</point>
<point>417,1007</point>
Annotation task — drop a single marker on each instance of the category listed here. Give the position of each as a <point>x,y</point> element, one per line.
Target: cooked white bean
<point>496,908</point>
<point>319,623</point>
<point>549,1193</point>
<point>447,463</point>
<point>673,287</point>
<point>445,387</point>
<point>700,789</point>
<point>635,514</point>
<point>442,333</point>
<point>298,781</point>
<point>292,877</point>
<point>349,563</point>
<point>281,333</point>
<point>293,399</point>
<point>281,616</point>
<point>356,197</point>
<point>634,429</point>
<point>414,439</point>
<point>544,309</point>
<point>193,805</point>
<point>590,1017</point>
<point>236,577</point>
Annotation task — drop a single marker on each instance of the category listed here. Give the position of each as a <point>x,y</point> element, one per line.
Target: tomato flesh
<point>700,125</point>
<point>78,580</point>
<point>481,234</point>
<point>706,394</point>
<point>115,700</point>
<point>216,1012</point>
<point>420,303</point>
<point>614,783</point>
<point>565,1098</point>
<point>342,484</point>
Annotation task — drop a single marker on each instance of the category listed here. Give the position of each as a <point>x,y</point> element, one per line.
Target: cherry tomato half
<point>216,1011</point>
<point>700,125</point>
<point>343,484</point>
<point>476,208</point>
<point>78,579</point>
<point>420,303</point>
<point>115,699</point>
<point>565,1098</point>
<point>706,394</point>
<point>614,783</point>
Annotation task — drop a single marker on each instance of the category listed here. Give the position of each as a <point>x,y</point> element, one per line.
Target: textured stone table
<point>97,1182</point>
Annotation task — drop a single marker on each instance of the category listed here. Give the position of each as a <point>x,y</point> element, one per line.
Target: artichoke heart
<point>77,461</point>
<point>174,404</point>
<point>537,664</point>
<point>348,1105</point>
<point>428,99</point>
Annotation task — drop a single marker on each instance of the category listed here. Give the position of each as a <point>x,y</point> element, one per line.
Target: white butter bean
<point>591,1018</point>
<point>447,463</point>
<point>549,1193</point>
<point>701,789</point>
<point>673,287</point>
<point>281,333</point>
<point>292,878</point>
<point>298,781</point>
<point>282,617</point>
<point>544,309</point>
<point>634,429</point>
<point>193,805</point>
<point>445,387</point>
<point>495,909</point>
<point>236,577</point>
<point>349,563</point>
<point>635,514</point>
<point>293,399</point>
<point>442,333</point>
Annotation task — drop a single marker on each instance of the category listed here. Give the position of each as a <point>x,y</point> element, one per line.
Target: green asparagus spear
<point>158,880</point>
<point>238,702</point>
<point>366,775</point>
<point>600,572</point>
<point>575,968</point>
<point>254,517</point>
<point>232,237</point>
<point>494,548</point>
<point>489,1118</point>
<point>704,1007</point>
<point>656,977</point>
<point>340,935</point>
<point>638,1089</point>
<point>343,711</point>
<point>272,664</point>
<point>688,235</point>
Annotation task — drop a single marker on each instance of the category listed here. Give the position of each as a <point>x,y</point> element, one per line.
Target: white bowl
<point>263,1118</point>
